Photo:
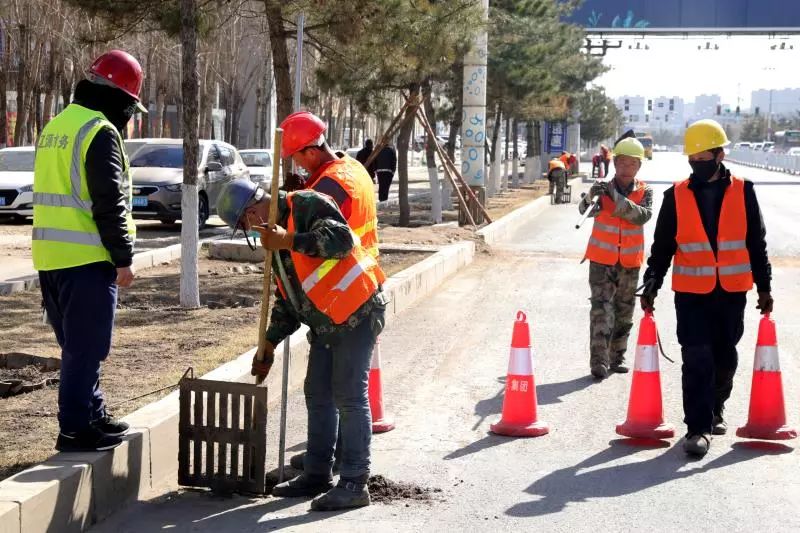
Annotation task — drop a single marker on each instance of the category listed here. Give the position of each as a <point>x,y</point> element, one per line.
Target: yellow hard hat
<point>630,147</point>
<point>704,135</point>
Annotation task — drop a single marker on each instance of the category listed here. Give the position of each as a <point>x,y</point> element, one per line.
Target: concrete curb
<point>507,225</point>
<point>71,492</point>
<point>141,261</point>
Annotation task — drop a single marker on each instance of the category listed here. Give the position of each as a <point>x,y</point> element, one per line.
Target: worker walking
<point>711,223</point>
<point>616,253</point>
<point>557,175</point>
<point>83,236</point>
<point>332,285</point>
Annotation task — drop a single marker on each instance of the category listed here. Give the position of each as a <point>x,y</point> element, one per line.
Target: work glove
<point>598,188</point>
<point>765,303</point>
<point>262,368</point>
<point>648,297</point>
<point>293,182</point>
<point>275,237</point>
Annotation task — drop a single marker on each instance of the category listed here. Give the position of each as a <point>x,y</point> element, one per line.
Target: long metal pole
<point>287,354</point>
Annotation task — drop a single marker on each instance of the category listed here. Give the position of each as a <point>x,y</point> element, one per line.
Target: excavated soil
<point>383,490</point>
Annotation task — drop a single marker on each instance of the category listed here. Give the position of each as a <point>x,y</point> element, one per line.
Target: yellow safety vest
<point>64,233</point>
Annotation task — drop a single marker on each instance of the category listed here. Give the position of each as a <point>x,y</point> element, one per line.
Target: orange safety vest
<point>564,159</point>
<point>354,179</point>
<point>555,163</point>
<point>695,268</point>
<point>337,287</point>
<point>615,240</point>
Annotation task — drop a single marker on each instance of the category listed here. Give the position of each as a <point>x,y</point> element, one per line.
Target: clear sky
<point>673,66</point>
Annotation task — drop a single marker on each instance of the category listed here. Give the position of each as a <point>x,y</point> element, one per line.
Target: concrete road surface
<point>444,370</point>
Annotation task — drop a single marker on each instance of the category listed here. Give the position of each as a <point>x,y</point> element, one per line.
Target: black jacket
<point>387,159</point>
<point>709,203</point>
<point>104,170</point>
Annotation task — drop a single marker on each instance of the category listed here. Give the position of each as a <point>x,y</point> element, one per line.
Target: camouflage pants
<point>611,317</point>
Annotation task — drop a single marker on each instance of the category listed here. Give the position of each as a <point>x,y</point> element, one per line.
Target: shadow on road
<point>574,484</point>
<point>489,441</point>
<point>547,393</point>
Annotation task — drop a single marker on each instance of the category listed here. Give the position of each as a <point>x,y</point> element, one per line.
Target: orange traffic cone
<point>645,411</point>
<point>519,404</point>
<point>767,417</point>
<point>380,424</point>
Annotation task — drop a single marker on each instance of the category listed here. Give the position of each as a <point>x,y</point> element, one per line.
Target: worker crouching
<point>329,282</point>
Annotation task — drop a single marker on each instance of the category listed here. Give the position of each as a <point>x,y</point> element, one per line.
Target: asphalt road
<point>444,367</point>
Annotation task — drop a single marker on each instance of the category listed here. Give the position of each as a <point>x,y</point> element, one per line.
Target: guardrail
<point>767,160</point>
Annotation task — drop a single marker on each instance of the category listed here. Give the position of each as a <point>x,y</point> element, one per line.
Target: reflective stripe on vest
<point>354,179</point>
<point>65,235</point>
<point>337,287</point>
<point>696,267</point>
<point>61,200</point>
<point>615,240</point>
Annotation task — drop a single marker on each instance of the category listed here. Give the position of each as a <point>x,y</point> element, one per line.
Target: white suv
<point>16,181</point>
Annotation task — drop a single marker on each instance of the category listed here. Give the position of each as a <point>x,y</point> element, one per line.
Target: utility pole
<point>473,130</point>
<point>769,118</point>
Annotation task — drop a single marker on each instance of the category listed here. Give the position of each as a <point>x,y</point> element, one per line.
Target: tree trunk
<point>351,124</point>
<point>496,159</point>
<point>49,86</point>
<point>22,70</point>
<point>4,66</point>
<point>146,88</point>
<point>531,168</point>
<point>430,156</point>
<point>457,95</point>
<point>402,159</point>
<point>280,58</point>
<point>515,155</point>
<point>505,152</point>
<point>190,285</point>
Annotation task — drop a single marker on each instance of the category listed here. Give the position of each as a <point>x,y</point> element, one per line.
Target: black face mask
<point>704,170</point>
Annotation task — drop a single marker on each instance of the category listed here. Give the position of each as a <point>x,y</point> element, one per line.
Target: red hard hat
<point>300,129</point>
<point>118,69</point>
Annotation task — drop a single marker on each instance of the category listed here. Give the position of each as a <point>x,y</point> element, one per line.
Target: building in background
<point>781,102</point>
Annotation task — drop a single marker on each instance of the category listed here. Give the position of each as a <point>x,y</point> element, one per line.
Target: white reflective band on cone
<point>376,355</point>
<point>767,359</point>
<point>646,358</point>
<point>520,363</point>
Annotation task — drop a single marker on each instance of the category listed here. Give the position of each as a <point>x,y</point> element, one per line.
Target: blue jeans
<point>80,304</point>
<point>336,397</point>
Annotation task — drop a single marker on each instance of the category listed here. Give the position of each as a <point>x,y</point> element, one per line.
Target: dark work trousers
<point>337,401</point>
<point>709,328</point>
<point>80,304</point>
<point>385,178</point>
<point>606,162</point>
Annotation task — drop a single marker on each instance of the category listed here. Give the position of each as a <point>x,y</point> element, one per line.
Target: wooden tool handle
<point>272,218</point>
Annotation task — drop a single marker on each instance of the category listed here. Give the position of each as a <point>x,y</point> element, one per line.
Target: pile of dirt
<point>383,490</point>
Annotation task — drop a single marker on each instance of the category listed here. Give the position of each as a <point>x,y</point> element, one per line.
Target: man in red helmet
<point>83,235</point>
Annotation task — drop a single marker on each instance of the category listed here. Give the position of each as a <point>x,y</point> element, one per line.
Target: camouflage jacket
<point>627,210</point>
<point>321,231</point>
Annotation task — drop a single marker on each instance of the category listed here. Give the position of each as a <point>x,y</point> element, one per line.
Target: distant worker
<point>564,158</point>
<point>606,154</point>
<point>616,253</point>
<point>557,176</point>
<point>385,167</point>
<point>711,223</point>
<point>83,235</point>
<point>362,156</point>
<point>332,285</point>
<point>572,164</point>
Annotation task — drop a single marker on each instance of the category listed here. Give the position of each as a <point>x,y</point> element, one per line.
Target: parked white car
<point>259,163</point>
<point>16,181</point>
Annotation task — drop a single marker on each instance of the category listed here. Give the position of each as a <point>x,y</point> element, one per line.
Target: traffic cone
<point>380,423</point>
<point>519,404</point>
<point>767,417</point>
<point>645,410</point>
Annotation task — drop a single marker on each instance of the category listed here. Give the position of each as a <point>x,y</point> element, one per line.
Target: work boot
<point>303,485</point>
<point>347,494</point>
<point>697,444</point>
<point>619,368</point>
<point>718,426</point>
<point>298,462</point>
<point>90,439</point>
<point>599,371</point>
<point>111,426</point>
